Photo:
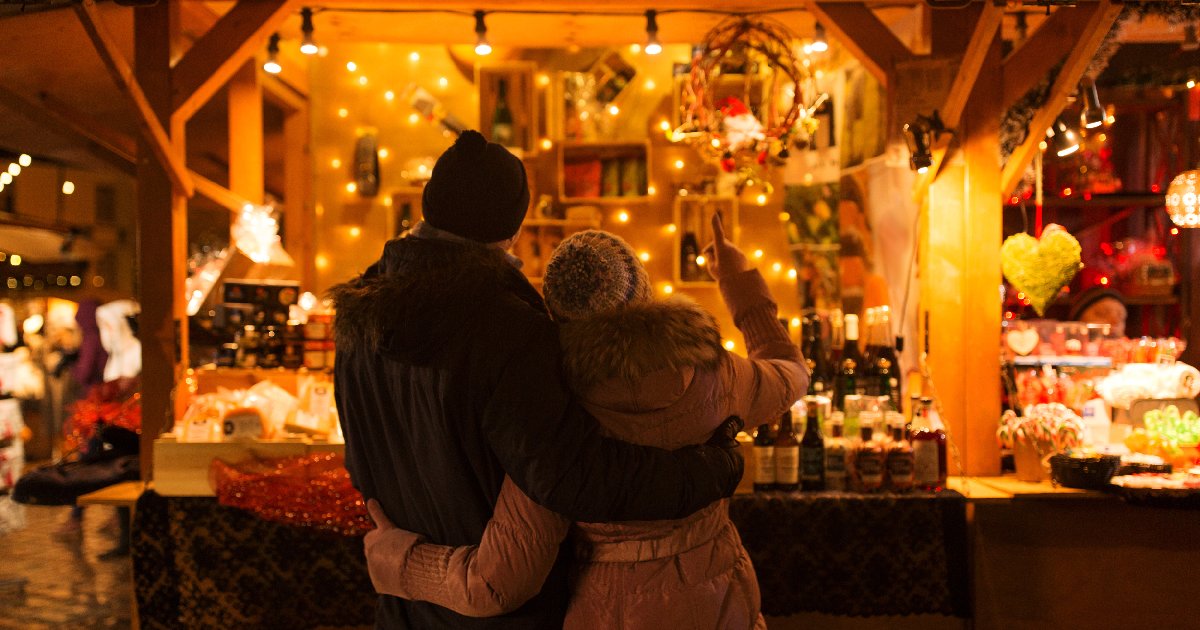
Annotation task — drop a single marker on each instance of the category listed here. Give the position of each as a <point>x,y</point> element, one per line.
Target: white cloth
<point>123,348</point>
<point>8,325</point>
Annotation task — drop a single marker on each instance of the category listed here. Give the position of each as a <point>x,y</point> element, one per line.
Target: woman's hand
<point>724,258</point>
<point>386,548</point>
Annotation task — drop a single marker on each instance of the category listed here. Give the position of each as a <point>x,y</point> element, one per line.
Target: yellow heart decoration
<point>1040,268</point>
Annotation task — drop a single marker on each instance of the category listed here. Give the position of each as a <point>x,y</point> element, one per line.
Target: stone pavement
<point>67,585</point>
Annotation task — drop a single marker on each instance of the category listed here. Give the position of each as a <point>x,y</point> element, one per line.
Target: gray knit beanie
<point>592,272</point>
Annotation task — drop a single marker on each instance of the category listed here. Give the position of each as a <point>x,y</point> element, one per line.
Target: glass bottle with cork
<point>852,361</point>
<point>868,455</point>
<point>812,448</point>
<point>899,457</point>
<point>787,455</point>
<point>837,454</point>
<point>764,458</point>
<point>929,448</point>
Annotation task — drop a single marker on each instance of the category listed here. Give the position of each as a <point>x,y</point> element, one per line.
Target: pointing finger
<point>718,229</point>
<point>377,515</point>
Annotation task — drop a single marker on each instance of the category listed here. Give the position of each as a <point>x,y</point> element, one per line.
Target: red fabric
<point>307,490</point>
<point>115,403</point>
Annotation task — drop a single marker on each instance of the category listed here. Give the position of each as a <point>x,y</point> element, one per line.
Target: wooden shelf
<point>607,201</point>
<point>1150,300</point>
<point>559,223</point>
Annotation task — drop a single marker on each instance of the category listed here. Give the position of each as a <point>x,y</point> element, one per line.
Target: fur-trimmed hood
<point>419,294</point>
<point>639,340</point>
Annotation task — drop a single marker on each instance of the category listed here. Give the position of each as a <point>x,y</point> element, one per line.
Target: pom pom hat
<point>478,190</point>
<point>593,272</point>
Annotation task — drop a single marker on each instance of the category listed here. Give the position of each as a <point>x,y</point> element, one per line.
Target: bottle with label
<point>787,455</point>
<point>887,362</point>
<point>764,459</point>
<point>929,449</point>
<point>868,455</point>
<point>812,448</point>
<point>914,403</point>
<point>869,383</point>
<point>502,118</point>
<point>836,454</point>
<point>816,356</point>
<point>899,459</point>
<point>689,249</point>
<point>847,383</point>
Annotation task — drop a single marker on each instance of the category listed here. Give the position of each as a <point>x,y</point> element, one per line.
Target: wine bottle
<point>502,118</point>
<point>836,454</point>
<point>887,362</point>
<point>868,456</point>
<point>815,355</point>
<point>868,381</point>
<point>848,382</point>
<point>787,455</point>
<point>929,449</point>
<point>812,448</point>
<point>899,459</point>
<point>764,459</point>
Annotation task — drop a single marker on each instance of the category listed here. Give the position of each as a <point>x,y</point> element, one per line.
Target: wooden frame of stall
<point>961,194</point>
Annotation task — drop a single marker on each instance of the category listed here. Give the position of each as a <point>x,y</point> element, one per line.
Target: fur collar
<point>639,340</point>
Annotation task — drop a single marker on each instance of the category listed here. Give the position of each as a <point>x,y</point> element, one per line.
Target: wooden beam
<point>89,127</point>
<point>120,154</point>
<point>1077,61</point>
<point>217,55</point>
<point>218,194</point>
<point>122,73</point>
<point>982,38</point>
<point>298,212</point>
<point>245,114</point>
<point>1029,63</point>
<point>864,35</point>
<point>282,93</point>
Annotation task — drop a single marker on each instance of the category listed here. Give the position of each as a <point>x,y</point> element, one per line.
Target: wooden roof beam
<point>216,56</point>
<point>218,194</point>
<point>863,34</point>
<point>1026,65</point>
<point>122,73</point>
<point>110,146</point>
<point>1098,25</point>
<point>982,39</point>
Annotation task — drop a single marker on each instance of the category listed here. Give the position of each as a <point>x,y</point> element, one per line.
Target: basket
<point>1087,473</point>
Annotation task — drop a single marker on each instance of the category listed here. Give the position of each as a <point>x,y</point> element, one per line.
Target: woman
<point>653,373</point>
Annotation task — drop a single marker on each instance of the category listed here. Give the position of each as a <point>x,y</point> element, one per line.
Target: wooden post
<point>246,134</point>
<point>161,238</point>
<point>960,271</point>
<point>299,217</point>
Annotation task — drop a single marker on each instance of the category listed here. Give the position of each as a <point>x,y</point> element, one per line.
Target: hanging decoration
<point>748,97</point>
<point>1040,268</point>
<point>1182,202</point>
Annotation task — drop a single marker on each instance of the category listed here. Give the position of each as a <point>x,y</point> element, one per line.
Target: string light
<point>351,187</point>
<point>664,125</point>
<point>362,80</point>
<point>678,164</point>
<point>614,110</point>
<point>791,273</point>
<point>414,56</point>
<point>649,84</point>
<point>15,260</point>
<point>68,187</point>
<point>24,159</point>
<point>547,144</point>
<point>271,65</point>
<point>14,169</point>
<point>645,256</point>
<point>667,288</point>
<point>671,228</point>
<point>307,45</point>
<point>355,231</point>
<point>653,47</point>
<point>795,322</point>
<point>650,190</point>
<point>635,49</point>
<point>351,66</point>
<point>413,118</point>
<point>819,44</point>
<point>343,112</point>
<point>761,199</point>
<point>729,345</point>
<point>543,79</point>
<point>321,261</point>
<point>482,47</point>
<point>758,253</point>
<point>623,217</point>
<point>777,267</point>
<point>335,163</point>
<point>700,260</point>
<point>443,82</point>
<point>783,216</point>
<point>389,95</point>
<point>5,178</point>
<point>384,153</point>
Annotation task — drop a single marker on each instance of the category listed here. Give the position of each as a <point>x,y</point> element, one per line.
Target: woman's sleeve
<point>775,375</point>
<point>502,572</point>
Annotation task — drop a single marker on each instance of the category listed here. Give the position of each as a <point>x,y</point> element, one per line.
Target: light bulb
<point>819,44</point>
<point>271,65</point>
<point>68,187</point>
<point>614,110</point>
<point>623,217</point>
<point>653,46</point>
<point>482,47</point>
<point>729,345</point>
<point>24,160</point>
<point>679,164</point>
<point>644,256</point>
<point>308,46</point>
<point>351,187</point>
<point>389,95</point>
<point>351,66</point>
<point>14,169</point>
<point>414,56</point>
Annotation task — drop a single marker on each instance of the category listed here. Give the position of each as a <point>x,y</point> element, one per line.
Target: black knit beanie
<point>478,190</point>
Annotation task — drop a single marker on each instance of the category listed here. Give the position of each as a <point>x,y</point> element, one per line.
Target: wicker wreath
<point>719,115</point>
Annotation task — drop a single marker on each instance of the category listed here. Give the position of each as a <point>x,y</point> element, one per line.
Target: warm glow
<point>68,187</point>
<point>635,49</point>
<point>614,110</point>
<point>783,216</point>
<point>923,170</point>
<point>351,66</point>
<point>351,187</point>
<point>14,169</point>
<point>716,143</point>
<point>664,124</point>
<point>384,153</point>
<point>1042,145</point>
<point>623,217</point>
<point>443,82</point>
<point>15,260</point>
<point>1174,231</point>
<point>5,178</point>
<point>671,228</point>
<point>679,164</point>
<point>414,118</point>
<point>1067,192</point>
<point>667,288</point>
<point>700,260</point>
<point>649,84</point>
<point>761,199</point>
<point>355,231</point>
<point>729,345</point>
<point>362,80</point>
<point>795,322</point>
<point>335,163</point>
<point>650,190</point>
<point>777,267</point>
<point>321,261</point>
<point>547,144</point>
<point>1191,83</point>
<point>758,253</point>
<point>389,95</point>
<point>24,159</point>
<point>543,80</point>
<point>272,66</point>
<point>1104,280</point>
<point>414,56</point>
<point>76,281</point>
<point>645,256</point>
<point>792,273</point>
<point>343,112</point>
<point>387,201</point>
<point>483,49</point>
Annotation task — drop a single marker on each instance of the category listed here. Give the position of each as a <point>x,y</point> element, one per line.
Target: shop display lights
<point>307,46</point>
<point>271,65</point>
<point>919,134</point>
<point>1183,204</point>
<point>482,47</point>
<point>24,160</point>
<point>1092,115</point>
<point>653,46</point>
<point>1065,140</point>
<point>819,44</point>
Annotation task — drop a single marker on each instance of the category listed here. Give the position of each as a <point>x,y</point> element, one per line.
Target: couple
<point>548,463</point>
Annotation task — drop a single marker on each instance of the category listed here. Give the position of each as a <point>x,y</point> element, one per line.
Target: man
<point>448,377</point>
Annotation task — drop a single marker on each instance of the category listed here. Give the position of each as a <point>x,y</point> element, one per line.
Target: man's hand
<point>724,258</point>
<point>386,548</point>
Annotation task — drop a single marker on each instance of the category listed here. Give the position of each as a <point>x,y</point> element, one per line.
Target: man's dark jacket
<point>448,377</point>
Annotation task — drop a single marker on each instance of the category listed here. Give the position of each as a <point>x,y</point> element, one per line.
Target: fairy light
<point>24,160</point>
<point>414,56</point>
<point>1191,83</point>
<point>791,274</point>
<point>355,231</point>
<point>729,345</point>
<point>15,260</point>
<point>701,260</point>
<point>68,187</point>
<point>443,82</point>
<point>758,253</point>
<point>351,66</point>
<point>671,228</point>
<point>645,256</point>
<point>716,143</point>
<point>351,187</point>
<point>623,217</point>
<point>679,165</point>
<point>335,163</point>
<point>362,80</point>
<point>384,153</point>
<point>614,110</point>
<point>664,124</point>
<point>389,95</point>
<point>414,118</point>
<point>783,216</point>
<point>777,266</point>
<point>543,79</point>
<point>547,144</point>
<point>387,201</point>
<point>761,199</point>
<point>650,190</point>
<point>14,169</point>
<point>635,49</point>
<point>343,112</point>
<point>649,84</point>
<point>1042,145</point>
<point>321,261</point>
<point>667,288</point>
<point>5,178</point>
<point>795,322</point>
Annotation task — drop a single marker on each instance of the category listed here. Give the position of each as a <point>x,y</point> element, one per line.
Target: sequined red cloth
<point>307,490</point>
